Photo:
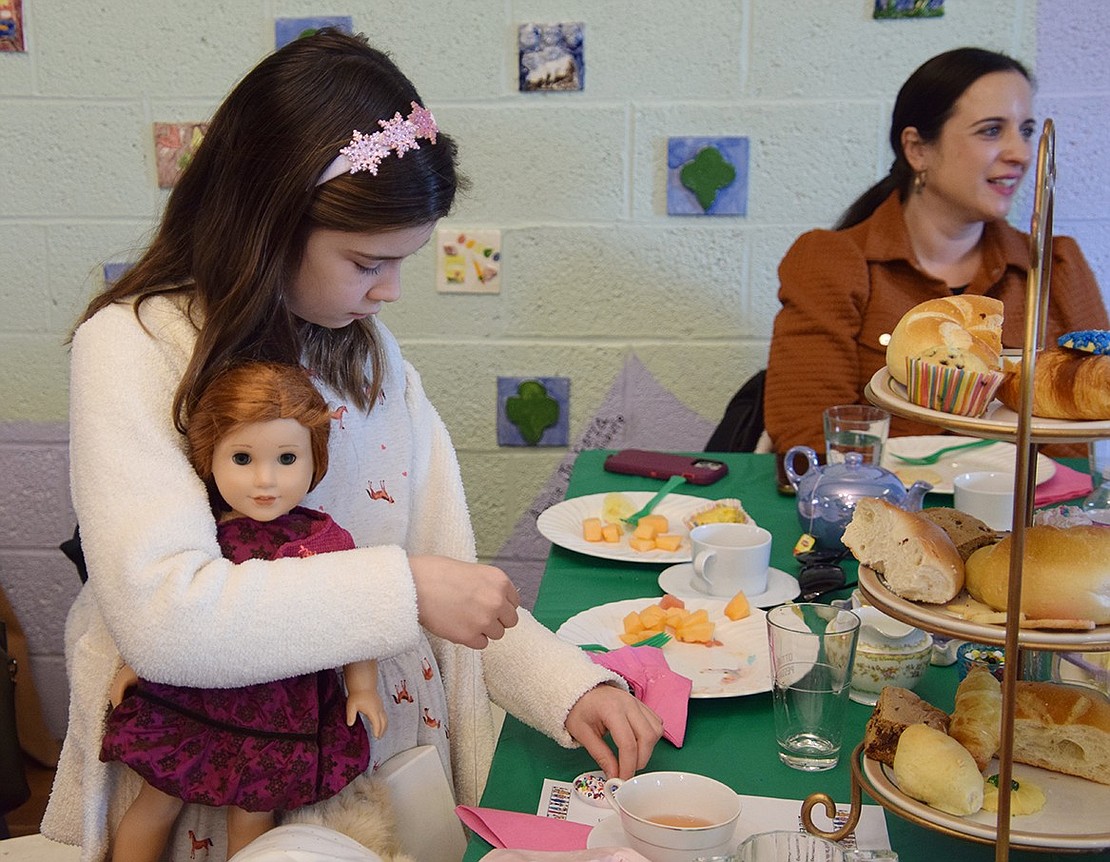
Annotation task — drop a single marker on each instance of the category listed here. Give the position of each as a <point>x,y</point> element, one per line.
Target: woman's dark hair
<point>926,101</point>
<point>236,223</point>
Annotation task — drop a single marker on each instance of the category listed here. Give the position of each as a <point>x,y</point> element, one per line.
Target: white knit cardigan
<point>161,595</point>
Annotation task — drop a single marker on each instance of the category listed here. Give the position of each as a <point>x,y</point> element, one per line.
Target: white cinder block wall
<point>593,266</point>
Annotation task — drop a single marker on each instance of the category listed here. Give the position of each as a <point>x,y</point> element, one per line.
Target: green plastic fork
<point>655,640</point>
<point>936,456</point>
<point>668,486</point>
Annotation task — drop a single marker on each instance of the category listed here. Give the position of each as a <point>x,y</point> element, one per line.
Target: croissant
<point>977,719</point>
<point>1067,384</point>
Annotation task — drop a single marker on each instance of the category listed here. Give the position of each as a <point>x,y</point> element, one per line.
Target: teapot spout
<point>915,496</point>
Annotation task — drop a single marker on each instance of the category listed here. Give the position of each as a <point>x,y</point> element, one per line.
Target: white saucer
<point>609,833</point>
<point>679,582</point>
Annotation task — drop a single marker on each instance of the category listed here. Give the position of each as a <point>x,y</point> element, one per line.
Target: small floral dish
<point>990,658</point>
<point>888,653</point>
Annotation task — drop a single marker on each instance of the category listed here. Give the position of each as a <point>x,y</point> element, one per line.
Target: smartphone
<point>663,465</point>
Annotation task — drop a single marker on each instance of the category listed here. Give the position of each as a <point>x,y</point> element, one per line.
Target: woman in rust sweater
<point>962,133</point>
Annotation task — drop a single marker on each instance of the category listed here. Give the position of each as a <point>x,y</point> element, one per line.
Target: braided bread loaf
<point>1067,384</point>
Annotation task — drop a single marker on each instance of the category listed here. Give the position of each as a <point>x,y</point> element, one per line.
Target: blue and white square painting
<point>533,411</point>
<point>707,176</point>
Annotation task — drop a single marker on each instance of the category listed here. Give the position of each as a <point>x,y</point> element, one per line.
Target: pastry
<point>977,719</point>
<point>932,767</point>
<point>896,709</point>
<point>963,332</point>
<point>1067,384</point>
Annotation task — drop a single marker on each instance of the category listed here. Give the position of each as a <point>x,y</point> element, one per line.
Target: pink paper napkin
<point>652,681</point>
<point>516,831</point>
<point>1065,484</point>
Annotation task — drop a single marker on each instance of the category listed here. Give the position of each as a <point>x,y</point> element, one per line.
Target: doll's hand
<point>124,679</point>
<point>370,705</point>
<point>633,727</point>
<point>465,603</point>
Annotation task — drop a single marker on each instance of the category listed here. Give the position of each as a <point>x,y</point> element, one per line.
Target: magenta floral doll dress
<point>273,746</point>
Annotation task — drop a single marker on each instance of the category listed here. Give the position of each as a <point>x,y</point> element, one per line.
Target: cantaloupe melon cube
<point>695,632</point>
<point>668,541</point>
<point>658,521</point>
<point>701,615</point>
<point>738,607</point>
<point>638,544</point>
<point>676,616</point>
<point>645,531</point>
<point>632,622</point>
<point>653,616</point>
<point>669,601</point>
<point>610,533</point>
<point>591,529</point>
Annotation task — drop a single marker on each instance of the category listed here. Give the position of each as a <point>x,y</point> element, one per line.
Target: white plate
<point>679,581</point>
<point>741,665</point>
<point>998,422</point>
<point>938,618</point>
<point>562,525</point>
<point>610,833</point>
<point>1001,457</point>
<point>1073,817</point>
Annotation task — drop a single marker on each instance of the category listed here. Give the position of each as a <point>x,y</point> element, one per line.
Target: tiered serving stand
<point>1078,820</point>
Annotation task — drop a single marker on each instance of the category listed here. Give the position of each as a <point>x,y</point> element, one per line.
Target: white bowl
<point>879,665</point>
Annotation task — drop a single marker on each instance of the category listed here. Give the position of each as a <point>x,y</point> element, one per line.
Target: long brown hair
<point>926,101</point>
<point>256,392</point>
<point>235,225</point>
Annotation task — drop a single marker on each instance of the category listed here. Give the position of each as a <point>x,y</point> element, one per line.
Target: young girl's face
<point>263,469</point>
<point>345,276</point>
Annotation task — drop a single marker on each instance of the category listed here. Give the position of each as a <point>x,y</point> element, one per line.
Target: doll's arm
<point>362,695</point>
<point>124,679</point>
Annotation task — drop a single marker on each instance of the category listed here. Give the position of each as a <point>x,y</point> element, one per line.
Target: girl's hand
<point>465,603</point>
<point>633,727</point>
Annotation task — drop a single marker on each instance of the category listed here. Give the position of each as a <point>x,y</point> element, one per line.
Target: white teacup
<point>669,811</point>
<point>729,558</point>
<point>988,496</point>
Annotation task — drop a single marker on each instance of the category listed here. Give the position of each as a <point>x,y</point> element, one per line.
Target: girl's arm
<point>177,610</point>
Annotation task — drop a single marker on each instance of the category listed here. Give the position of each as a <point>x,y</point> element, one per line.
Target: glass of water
<point>855,428</point>
<point>1097,504</point>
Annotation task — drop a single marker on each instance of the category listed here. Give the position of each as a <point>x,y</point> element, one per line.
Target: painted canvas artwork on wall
<point>552,56</point>
<point>468,261</point>
<point>288,29</point>
<point>11,26</point>
<point>174,145</point>
<point>113,271</point>
<point>707,176</point>
<point>909,8</point>
<point>533,411</point>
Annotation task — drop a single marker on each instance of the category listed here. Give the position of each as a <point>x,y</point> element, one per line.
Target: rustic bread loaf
<point>1067,384</point>
<point>1064,728</point>
<point>1065,573</point>
<point>915,557</point>
<point>960,331</point>
<point>896,709</point>
<point>967,532</point>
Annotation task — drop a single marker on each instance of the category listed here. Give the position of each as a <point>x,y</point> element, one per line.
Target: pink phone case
<point>663,465</point>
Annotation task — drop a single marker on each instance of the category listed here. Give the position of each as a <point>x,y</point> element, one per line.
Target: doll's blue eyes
<point>287,458</point>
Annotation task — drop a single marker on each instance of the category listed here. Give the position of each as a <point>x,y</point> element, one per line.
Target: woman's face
<point>974,167</point>
<point>345,276</point>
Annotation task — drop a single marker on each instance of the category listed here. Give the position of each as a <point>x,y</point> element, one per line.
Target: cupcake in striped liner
<point>950,389</point>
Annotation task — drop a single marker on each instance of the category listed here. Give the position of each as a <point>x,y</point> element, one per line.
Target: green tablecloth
<point>731,739</point>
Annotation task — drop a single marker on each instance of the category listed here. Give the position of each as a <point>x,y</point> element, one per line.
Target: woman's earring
<point>919,181</point>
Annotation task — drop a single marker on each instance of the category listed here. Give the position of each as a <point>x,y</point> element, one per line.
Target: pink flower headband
<point>365,152</point>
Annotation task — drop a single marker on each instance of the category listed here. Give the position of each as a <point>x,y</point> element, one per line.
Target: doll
<point>258,438</point>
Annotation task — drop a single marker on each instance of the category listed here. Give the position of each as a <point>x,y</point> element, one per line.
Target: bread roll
<point>1064,728</point>
<point>896,709</point>
<point>1067,384</point>
<point>915,557</point>
<point>1065,573</point>
<point>977,719</point>
<point>967,532</point>
<point>931,766</point>
<point>963,331</point>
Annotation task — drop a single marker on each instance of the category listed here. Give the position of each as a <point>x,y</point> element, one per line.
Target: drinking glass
<point>813,647</point>
<point>1097,504</point>
<point>855,428</point>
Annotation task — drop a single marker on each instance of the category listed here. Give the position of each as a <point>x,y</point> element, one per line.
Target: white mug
<point>729,558</point>
<point>986,495</point>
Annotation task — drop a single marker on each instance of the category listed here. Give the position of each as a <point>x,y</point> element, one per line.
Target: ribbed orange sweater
<point>841,290</point>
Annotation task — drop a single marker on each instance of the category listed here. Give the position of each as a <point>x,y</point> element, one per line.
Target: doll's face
<point>263,469</point>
